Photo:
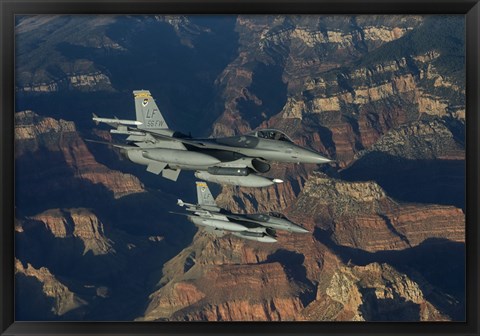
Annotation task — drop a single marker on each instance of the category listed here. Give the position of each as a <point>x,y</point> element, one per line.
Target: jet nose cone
<point>308,156</point>
<point>322,159</point>
<point>299,229</point>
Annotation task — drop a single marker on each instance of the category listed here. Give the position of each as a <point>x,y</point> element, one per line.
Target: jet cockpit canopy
<point>271,134</point>
<point>277,215</point>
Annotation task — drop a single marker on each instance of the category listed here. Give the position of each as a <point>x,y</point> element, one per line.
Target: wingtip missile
<point>180,202</point>
<point>95,118</point>
<point>115,121</point>
<point>275,180</point>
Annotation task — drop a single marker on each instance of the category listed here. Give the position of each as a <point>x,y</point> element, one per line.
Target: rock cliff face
<point>186,30</point>
<point>297,279</point>
<point>375,292</point>
<point>68,157</point>
<point>82,82</point>
<point>351,106</point>
<point>64,300</point>
<point>255,300</point>
<point>419,162</point>
<point>229,263</point>
<point>77,223</point>
<point>360,215</point>
<point>50,41</point>
<point>421,140</point>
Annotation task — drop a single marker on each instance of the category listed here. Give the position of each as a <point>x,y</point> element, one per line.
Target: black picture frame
<point>9,8</point>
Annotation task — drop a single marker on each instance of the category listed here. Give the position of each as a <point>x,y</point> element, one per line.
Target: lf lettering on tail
<point>150,113</point>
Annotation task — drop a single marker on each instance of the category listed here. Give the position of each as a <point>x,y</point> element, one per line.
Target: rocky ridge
<point>35,134</point>
<point>83,82</point>
<point>50,67</point>
<point>64,299</point>
<point>361,215</point>
<point>349,106</point>
<point>375,292</point>
<point>421,140</point>
<point>77,223</point>
<point>297,279</point>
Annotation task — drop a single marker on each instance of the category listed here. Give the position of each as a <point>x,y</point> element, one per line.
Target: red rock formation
<point>64,299</point>
<point>233,292</point>
<point>78,223</point>
<point>418,223</point>
<point>229,279</point>
<point>35,134</point>
<point>361,292</point>
<point>360,215</point>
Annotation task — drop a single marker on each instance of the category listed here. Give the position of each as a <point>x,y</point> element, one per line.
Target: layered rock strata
<point>37,137</point>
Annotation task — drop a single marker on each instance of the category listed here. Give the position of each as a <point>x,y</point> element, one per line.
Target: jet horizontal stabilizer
<point>171,138</point>
<point>180,213</point>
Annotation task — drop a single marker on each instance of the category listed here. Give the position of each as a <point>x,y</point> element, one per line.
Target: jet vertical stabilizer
<point>205,198</point>
<point>148,112</point>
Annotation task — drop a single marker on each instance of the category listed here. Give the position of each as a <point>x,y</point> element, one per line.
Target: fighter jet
<point>234,160</point>
<point>259,227</point>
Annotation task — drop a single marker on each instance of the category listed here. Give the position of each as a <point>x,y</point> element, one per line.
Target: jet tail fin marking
<point>148,112</point>
<point>204,195</point>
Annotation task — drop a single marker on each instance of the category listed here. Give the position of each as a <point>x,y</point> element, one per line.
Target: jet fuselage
<point>234,160</point>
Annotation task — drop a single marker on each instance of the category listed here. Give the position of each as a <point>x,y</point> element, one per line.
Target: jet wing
<point>203,214</point>
<point>241,218</point>
<point>215,232</point>
<point>112,144</point>
<point>181,140</point>
<point>180,213</point>
<point>209,214</point>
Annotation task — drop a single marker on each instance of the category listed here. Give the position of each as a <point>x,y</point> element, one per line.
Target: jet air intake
<point>260,166</point>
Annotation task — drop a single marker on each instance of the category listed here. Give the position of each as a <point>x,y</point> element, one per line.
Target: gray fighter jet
<point>234,160</point>
<point>259,227</point>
